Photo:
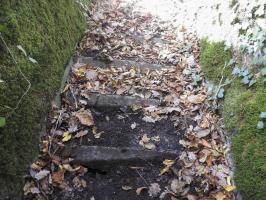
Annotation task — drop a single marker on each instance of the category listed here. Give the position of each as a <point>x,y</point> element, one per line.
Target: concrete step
<point>116,101</point>
<point>97,62</point>
<point>106,158</point>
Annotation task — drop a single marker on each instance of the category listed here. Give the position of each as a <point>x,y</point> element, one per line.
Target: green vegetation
<point>213,58</point>
<point>241,110</point>
<point>233,3</point>
<point>48,31</point>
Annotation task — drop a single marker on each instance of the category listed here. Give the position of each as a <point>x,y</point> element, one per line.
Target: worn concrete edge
<point>110,100</point>
<point>97,62</point>
<point>101,157</point>
<point>63,82</point>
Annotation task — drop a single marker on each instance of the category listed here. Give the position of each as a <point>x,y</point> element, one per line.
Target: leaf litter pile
<point>201,169</point>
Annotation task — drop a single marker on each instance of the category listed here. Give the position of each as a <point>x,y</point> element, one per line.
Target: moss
<point>233,3</point>
<point>48,31</point>
<point>249,144</point>
<point>213,58</point>
<point>241,110</point>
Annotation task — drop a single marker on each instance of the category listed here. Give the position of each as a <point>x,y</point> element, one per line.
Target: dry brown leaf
<point>29,188</point>
<point>140,189</point>
<point>196,99</point>
<point>168,164</point>
<point>220,196</point>
<point>81,134</point>
<point>58,177</point>
<point>154,190</point>
<point>79,182</point>
<point>191,197</point>
<point>85,117</point>
<point>205,143</point>
<point>177,186</point>
<point>202,133</point>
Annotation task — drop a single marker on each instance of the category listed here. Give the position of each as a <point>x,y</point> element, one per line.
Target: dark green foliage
<point>48,31</point>
<point>241,111</point>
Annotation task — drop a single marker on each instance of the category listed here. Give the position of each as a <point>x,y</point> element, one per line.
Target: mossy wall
<point>241,109</point>
<point>48,30</point>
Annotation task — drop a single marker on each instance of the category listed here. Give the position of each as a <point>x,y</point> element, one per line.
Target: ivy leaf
<point>245,72</point>
<point>220,94</point>
<point>231,62</point>
<point>263,115</point>
<point>252,82</point>
<point>263,71</point>
<point>2,122</point>
<point>245,80</point>
<point>236,71</point>
<point>260,125</point>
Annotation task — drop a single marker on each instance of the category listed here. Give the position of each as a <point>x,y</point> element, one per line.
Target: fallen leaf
<point>66,137</point>
<point>177,186</point>
<point>58,177</point>
<point>148,119</point>
<point>168,164</point>
<point>79,182</point>
<point>196,99</point>
<point>126,188</point>
<point>156,138</point>
<point>85,117</point>
<point>29,188</point>
<point>69,168</point>
<point>229,188</point>
<point>81,134</point>
<point>150,146</point>
<point>91,75</point>
<point>140,189</point>
<point>133,126</point>
<point>202,133</point>
<point>42,174</point>
<point>191,197</point>
<point>220,196</point>
<point>154,190</point>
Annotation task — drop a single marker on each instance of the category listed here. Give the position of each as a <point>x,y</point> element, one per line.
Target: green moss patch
<point>48,30</point>
<point>213,58</point>
<point>242,106</point>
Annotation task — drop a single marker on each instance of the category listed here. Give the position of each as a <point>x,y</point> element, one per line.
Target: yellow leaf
<point>164,170</point>
<point>220,196</point>
<point>66,136</point>
<point>140,189</point>
<point>168,164</point>
<point>81,71</point>
<point>229,188</point>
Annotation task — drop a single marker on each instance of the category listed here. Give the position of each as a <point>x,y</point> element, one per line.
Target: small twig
<point>142,177</point>
<point>20,71</point>
<point>74,97</point>
<point>220,83</point>
<point>50,142</point>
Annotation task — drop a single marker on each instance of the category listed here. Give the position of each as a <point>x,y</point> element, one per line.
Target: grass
<point>241,110</point>
<point>48,30</point>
